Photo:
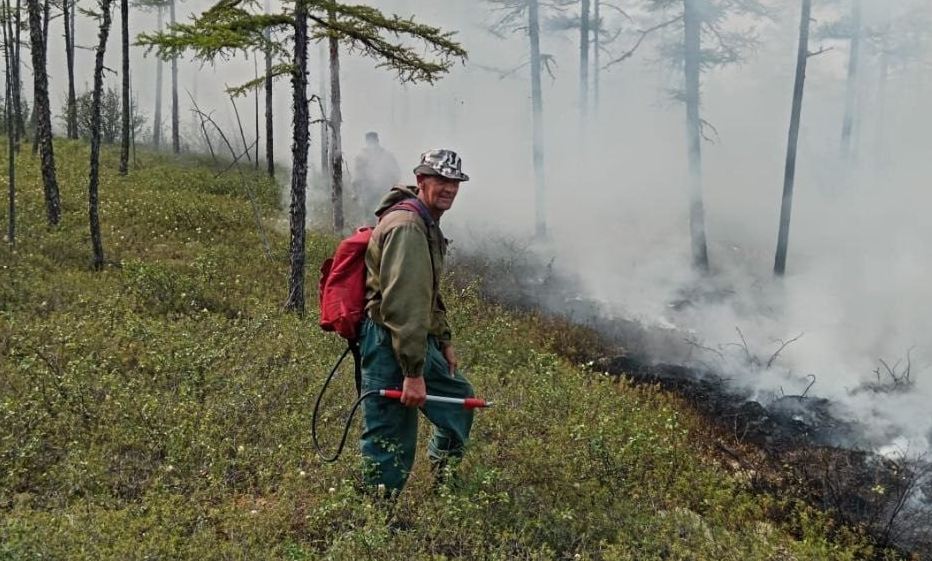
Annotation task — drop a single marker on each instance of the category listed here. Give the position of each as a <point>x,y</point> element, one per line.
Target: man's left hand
<point>451,358</point>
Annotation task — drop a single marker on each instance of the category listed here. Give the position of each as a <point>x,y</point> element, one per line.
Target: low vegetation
<point>160,409</point>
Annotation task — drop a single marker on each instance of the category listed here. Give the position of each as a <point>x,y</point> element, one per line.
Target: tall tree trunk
<point>789,176</point>
<point>324,104</point>
<point>10,128</point>
<point>43,113</point>
<point>157,114</point>
<point>34,116</point>
<point>17,78</point>
<point>132,133</point>
<point>242,133</point>
<point>584,36</point>
<point>94,182</point>
<point>125,104</point>
<point>269,123</point>
<point>537,118</point>
<point>72,106</point>
<point>851,93</point>
<point>693,28</point>
<point>597,45</point>
<point>255,64</point>
<point>336,135</point>
<point>299,150</point>
<point>176,135</point>
<point>883,152</point>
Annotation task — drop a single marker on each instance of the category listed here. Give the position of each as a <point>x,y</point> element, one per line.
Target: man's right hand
<point>414,392</point>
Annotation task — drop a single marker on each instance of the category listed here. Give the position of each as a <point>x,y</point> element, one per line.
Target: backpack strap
<point>413,204</point>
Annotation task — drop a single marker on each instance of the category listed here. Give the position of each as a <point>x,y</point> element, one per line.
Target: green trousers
<point>389,438</point>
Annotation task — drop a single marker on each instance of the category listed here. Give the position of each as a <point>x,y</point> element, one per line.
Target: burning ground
<point>844,451</point>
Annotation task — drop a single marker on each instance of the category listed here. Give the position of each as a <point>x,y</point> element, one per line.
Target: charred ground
<point>804,445</point>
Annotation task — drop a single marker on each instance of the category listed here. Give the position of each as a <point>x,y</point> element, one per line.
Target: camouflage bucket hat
<point>446,163</point>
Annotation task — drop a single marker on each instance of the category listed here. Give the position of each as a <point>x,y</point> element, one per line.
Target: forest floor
<point>161,408</point>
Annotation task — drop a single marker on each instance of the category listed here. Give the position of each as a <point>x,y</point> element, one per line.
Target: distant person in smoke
<point>406,340</point>
<point>375,171</point>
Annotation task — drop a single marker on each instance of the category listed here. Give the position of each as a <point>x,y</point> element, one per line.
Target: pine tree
<point>94,183</point>
<point>269,122</point>
<point>707,42</point>
<point>159,6</point>
<point>125,103</point>
<point>230,26</point>
<point>336,131</point>
<point>176,133</point>
<point>789,176</point>
<point>71,114</point>
<point>525,15</point>
<point>10,121</point>
<point>43,111</point>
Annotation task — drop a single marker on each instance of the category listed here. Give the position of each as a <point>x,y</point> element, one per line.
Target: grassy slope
<point>161,410</point>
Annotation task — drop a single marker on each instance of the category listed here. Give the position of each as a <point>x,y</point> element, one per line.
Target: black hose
<point>349,418</point>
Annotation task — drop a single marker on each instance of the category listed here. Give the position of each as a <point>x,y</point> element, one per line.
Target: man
<point>374,171</point>
<point>406,340</point>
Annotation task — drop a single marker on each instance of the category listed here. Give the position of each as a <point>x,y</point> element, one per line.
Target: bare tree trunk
<point>157,114</point>
<point>537,118</point>
<point>324,104</point>
<point>597,45</point>
<point>269,123</point>
<point>584,33</point>
<point>34,116</point>
<point>851,93</point>
<point>210,145</point>
<point>883,152</point>
<point>43,113</point>
<point>299,150</point>
<point>255,64</point>
<point>72,92</point>
<point>95,134</point>
<point>17,78</point>
<point>10,127</point>
<point>242,133</point>
<point>176,135</point>
<point>132,111</point>
<point>789,177</point>
<point>195,84</point>
<point>693,23</point>
<point>336,136</point>
<point>72,104</point>
<point>124,145</point>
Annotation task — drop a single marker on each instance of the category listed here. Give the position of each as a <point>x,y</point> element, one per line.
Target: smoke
<point>856,287</point>
<point>859,262</point>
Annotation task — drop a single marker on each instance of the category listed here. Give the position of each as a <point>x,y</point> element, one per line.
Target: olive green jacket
<point>404,263</point>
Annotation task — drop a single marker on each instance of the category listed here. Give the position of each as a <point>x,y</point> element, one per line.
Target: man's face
<point>438,192</point>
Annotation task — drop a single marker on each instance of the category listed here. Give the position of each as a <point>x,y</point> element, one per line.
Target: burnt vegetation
<point>897,378</point>
<point>794,443</point>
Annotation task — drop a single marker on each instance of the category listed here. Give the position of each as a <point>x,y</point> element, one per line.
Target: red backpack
<point>343,278</point>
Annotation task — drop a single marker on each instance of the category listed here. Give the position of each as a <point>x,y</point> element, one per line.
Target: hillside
<point>161,408</point>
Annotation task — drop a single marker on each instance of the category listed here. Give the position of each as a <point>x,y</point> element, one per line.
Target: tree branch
<point>644,34</point>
